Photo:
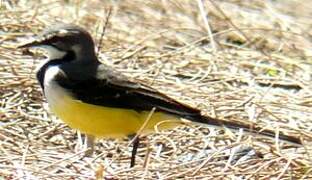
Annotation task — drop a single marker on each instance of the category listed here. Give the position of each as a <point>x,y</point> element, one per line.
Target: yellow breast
<point>108,122</point>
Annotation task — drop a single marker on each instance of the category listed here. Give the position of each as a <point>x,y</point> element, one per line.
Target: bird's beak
<point>34,43</point>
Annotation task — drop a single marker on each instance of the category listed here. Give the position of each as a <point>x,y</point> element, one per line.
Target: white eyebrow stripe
<point>63,31</point>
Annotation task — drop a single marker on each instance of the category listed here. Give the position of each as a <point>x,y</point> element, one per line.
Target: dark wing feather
<point>114,90</point>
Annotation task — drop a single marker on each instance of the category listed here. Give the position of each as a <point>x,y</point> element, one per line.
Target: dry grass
<point>243,62</point>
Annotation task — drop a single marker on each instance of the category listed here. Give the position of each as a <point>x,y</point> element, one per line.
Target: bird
<point>101,102</point>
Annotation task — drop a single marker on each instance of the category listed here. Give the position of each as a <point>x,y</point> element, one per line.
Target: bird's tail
<point>249,128</point>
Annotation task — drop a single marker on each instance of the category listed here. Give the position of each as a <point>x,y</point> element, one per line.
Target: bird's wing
<point>112,89</point>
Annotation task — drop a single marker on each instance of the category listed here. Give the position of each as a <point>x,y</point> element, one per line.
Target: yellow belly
<point>108,122</point>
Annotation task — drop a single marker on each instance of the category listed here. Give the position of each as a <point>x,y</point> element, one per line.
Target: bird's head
<point>64,40</point>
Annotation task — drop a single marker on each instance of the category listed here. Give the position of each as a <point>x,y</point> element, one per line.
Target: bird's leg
<point>89,142</point>
<point>136,143</point>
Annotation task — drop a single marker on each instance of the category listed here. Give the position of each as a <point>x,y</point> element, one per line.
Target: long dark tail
<point>253,129</point>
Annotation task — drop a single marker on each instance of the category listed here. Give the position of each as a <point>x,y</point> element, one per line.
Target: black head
<point>62,40</point>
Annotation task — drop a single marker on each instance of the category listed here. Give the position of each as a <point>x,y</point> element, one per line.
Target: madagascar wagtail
<point>95,99</point>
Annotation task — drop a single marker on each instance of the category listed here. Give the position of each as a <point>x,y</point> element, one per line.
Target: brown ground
<point>245,61</point>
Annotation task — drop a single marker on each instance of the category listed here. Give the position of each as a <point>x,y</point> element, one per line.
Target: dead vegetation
<point>244,61</point>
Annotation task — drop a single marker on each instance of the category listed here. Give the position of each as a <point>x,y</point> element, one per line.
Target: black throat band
<point>70,56</point>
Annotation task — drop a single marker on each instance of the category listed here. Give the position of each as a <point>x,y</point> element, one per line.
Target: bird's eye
<point>58,45</point>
